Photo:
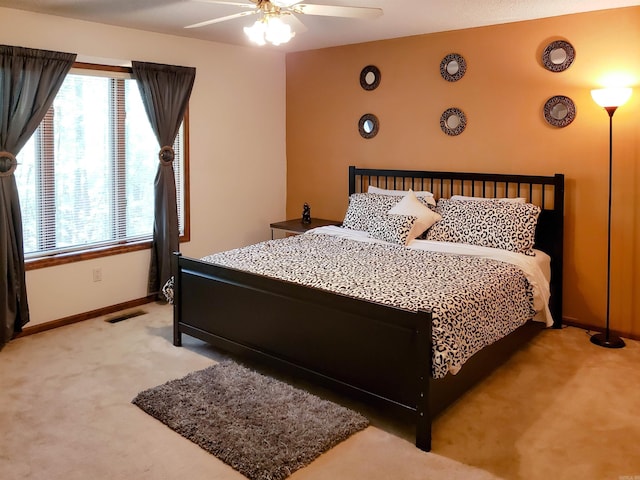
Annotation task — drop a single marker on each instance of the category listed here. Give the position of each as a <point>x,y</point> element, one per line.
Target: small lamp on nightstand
<point>610,99</point>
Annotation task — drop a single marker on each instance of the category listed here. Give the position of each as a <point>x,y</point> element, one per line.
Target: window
<point>86,176</point>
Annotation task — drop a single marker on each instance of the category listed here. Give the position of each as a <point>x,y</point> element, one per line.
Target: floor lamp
<point>610,99</point>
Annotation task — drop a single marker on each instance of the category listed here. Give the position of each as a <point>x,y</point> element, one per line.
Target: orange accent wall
<point>502,94</point>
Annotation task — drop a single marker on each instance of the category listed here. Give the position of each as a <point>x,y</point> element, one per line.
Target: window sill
<point>64,258</point>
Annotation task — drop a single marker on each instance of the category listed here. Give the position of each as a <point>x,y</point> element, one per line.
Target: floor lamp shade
<point>609,99</point>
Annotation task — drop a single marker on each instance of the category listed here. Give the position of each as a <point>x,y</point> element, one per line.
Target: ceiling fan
<point>271,28</point>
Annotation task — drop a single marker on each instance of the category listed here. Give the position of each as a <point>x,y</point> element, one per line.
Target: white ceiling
<point>401,17</point>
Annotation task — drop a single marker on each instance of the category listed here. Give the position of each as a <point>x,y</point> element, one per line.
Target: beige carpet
<point>561,409</point>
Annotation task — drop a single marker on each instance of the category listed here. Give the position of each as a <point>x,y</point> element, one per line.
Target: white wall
<point>237,146</point>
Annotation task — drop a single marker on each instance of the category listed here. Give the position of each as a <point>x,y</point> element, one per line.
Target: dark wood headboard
<point>544,191</point>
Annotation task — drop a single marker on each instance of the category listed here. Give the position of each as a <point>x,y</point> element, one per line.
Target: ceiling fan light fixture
<point>269,28</point>
<point>277,31</point>
<point>256,32</point>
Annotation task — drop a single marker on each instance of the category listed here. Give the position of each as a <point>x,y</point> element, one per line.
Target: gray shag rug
<point>262,427</point>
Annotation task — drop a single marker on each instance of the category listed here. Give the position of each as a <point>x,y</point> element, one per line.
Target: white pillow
<point>482,199</point>
<point>428,196</point>
<point>411,206</point>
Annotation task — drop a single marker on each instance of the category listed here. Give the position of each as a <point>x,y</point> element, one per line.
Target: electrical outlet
<point>97,274</point>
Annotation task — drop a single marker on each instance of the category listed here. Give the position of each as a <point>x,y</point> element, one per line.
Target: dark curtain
<point>165,91</point>
<point>29,81</point>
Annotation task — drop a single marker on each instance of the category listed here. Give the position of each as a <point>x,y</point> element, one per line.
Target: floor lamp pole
<point>606,339</point>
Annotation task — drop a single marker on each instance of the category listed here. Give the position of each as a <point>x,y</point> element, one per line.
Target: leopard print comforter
<point>474,301</point>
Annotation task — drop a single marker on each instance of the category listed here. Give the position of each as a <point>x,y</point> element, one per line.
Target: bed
<point>380,352</point>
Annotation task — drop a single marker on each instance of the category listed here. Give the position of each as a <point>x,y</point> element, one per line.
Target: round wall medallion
<point>453,121</point>
<point>370,77</point>
<point>559,111</point>
<point>8,164</point>
<point>558,56</point>
<point>368,125</point>
<point>453,67</point>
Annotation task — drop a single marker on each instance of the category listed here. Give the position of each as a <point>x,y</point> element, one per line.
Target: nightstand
<point>296,226</point>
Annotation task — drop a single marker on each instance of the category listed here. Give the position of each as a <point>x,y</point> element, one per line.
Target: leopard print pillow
<point>364,206</point>
<point>491,223</point>
<point>392,228</point>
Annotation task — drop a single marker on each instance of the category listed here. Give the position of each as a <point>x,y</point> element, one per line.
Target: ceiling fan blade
<point>285,3</point>
<point>295,23</point>
<point>337,11</point>
<point>247,4</point>
<point>221,19</point>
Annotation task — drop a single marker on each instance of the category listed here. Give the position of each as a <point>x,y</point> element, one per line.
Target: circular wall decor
<point>370,77</point>
<point>453,121</point>
<point>368,125</point>
<point>558,56</point>
<point>559,111</point>
<point>453,67</point>
<point>8,164</point>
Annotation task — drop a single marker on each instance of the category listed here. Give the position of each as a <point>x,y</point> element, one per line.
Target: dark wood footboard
<point>375,352</point>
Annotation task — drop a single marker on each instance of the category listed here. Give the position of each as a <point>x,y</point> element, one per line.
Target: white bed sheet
<point>536,268</point>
